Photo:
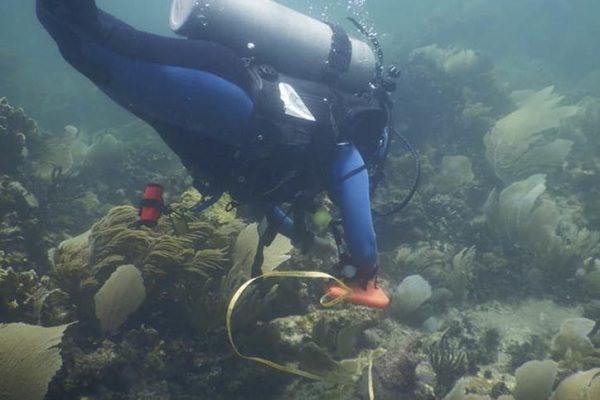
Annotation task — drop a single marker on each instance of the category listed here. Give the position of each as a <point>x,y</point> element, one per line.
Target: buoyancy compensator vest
<point>294,43</point>
<point>296,123</point>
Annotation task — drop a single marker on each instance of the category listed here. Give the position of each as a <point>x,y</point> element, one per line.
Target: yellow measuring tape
<point>324,302</point>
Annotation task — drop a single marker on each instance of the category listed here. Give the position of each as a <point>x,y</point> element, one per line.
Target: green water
<point>502,101</point>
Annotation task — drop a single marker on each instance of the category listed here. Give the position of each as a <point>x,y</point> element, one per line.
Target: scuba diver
<point>259,101</point>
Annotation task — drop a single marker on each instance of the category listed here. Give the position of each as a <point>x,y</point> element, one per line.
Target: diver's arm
<point>182,83</point>
<point>350,192</point>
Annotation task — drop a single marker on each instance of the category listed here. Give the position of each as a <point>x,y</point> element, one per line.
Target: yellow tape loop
<point>325,302</point>
<point>282,274</point>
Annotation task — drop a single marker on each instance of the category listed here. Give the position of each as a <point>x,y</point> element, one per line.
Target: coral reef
<point>396,370</point>
<point>22,244</point>
<point>519,145</point>
<point>449,361</point>
<point>410,294</point>
<point>535,380</point>
<point>30,358</point>
<point>16,130</point>
<point>535,348</point>
<point>151,302</point>
<point>122,294</point>
<point>180,265</point>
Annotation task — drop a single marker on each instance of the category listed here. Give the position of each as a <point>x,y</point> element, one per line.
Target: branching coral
<point>21,241</point>
<point>15,131</point>
<point>459,277</point>
<point>449,361</point>
<point>16,294</point>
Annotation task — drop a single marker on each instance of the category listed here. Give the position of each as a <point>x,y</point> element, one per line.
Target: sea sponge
<point>410,294</point>
<point>573,337</point>
<point>535,380</point>
<point>583,385</point>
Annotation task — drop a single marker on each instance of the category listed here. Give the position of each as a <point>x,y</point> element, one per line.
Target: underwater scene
<point>301,199</point>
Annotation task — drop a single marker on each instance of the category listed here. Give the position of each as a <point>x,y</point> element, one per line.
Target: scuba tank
<point>293,43</point>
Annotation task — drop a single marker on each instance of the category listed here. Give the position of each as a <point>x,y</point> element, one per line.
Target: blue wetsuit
<point>196,94</point>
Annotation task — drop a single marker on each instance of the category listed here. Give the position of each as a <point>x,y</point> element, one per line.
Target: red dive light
<point>151,205</point>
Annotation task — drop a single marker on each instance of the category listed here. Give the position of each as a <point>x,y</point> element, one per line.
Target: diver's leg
<point>193,85</point>
<point>350,192</point>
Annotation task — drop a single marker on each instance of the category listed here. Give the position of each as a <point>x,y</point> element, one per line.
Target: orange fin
<point>372,297</point>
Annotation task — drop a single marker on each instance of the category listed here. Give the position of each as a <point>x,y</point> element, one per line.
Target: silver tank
<point>294,43</point>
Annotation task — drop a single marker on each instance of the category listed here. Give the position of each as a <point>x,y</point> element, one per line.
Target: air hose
<point>416,178</point>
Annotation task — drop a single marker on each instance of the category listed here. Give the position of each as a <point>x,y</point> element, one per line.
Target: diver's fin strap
<point>327,304</point>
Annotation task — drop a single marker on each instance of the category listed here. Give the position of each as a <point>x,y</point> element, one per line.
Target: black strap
<point>151,203</point>
<point>258,259</point>
<point>355,171</point>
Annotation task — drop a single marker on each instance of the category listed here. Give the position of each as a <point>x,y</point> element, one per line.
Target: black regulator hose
<point>380,80</point>
<point>416,178</point>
